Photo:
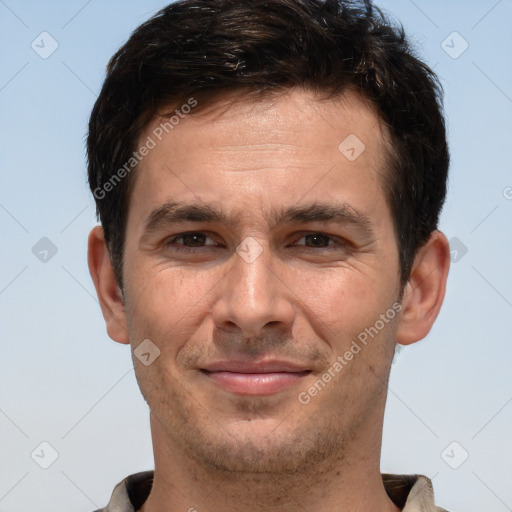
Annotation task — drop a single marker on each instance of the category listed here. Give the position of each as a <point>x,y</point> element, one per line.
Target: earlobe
<point>424,292</point>
<point>107,288</point>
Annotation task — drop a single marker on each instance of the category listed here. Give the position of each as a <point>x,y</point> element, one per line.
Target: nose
<point>253,297</point>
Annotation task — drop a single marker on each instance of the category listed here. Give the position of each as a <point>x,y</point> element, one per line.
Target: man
<point>268,175</point>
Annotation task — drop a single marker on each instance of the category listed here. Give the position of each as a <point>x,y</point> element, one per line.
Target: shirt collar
<point>412,493</point>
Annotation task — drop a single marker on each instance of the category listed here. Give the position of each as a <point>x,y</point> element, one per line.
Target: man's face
<point>253,296</point>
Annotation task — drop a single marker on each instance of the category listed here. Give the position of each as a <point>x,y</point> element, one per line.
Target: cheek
<point>165,303</point>
<point>339,303</point>
<point>170,305</point>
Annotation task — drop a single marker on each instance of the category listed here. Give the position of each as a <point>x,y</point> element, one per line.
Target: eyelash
<point>170,242</point>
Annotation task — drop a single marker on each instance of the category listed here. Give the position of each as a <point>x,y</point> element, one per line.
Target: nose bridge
<point>252,266</point>
<point>252,296</point>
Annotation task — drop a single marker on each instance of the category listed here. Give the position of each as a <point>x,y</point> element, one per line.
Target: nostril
<point>228,326</point>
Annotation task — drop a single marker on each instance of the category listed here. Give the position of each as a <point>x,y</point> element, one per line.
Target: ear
<point>107,288</point>
<point>424,292</point>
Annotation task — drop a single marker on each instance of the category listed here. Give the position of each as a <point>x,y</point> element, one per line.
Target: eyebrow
<point>338,213</point>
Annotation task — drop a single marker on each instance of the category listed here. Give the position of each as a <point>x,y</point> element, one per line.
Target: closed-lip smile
<point>254,378</point>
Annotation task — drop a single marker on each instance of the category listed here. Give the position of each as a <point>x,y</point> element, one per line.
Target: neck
<point>344,481</point>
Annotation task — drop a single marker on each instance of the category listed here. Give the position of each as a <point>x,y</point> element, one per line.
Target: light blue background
<point>62,380</point>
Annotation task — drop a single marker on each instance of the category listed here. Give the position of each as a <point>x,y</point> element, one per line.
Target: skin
<point>304,299</point>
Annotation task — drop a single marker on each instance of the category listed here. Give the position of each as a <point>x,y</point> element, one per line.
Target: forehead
<point>276,149</point>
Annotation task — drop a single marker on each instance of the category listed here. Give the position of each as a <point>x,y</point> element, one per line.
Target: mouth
<point>257,379</point>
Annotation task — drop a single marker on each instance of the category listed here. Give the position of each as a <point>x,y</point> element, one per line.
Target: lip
<point>258,379</point>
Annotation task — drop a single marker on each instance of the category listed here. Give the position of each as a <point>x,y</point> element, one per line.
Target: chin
<point>261,446</point>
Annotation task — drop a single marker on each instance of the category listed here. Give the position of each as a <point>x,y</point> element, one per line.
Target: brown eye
<point>190,240</point>
<point>193,239</point>
<point>317,240</point>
